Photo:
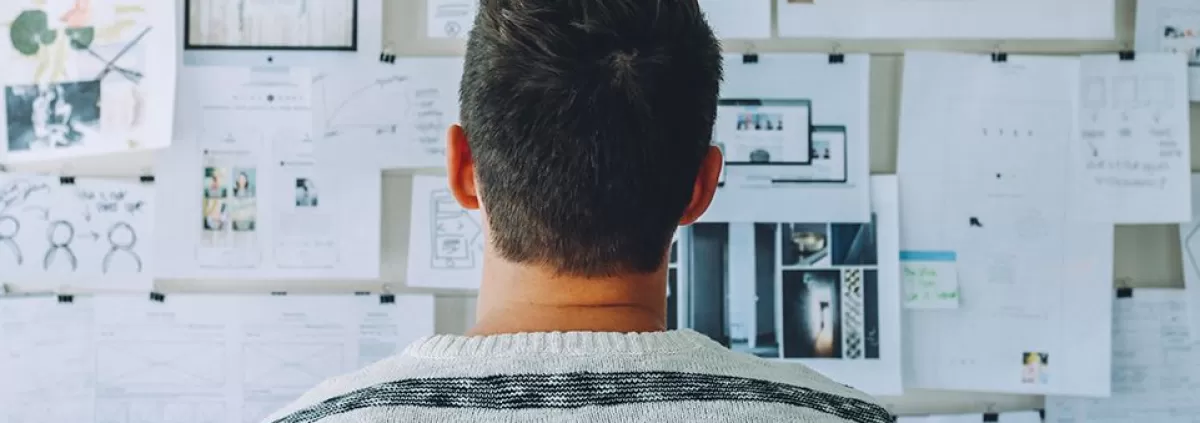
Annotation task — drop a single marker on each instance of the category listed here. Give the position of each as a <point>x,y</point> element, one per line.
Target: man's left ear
<point>460,168</point>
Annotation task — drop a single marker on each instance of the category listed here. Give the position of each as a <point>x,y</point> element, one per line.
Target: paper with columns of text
<point>1132,155</point>
<point>1155,368</point>
<point>204,358</point>
<point>445,241</point>
<point>959,19</point>
<point>247,197</point>
<point>982,165</point>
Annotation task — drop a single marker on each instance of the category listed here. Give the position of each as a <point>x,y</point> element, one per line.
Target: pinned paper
<point>930,279</point>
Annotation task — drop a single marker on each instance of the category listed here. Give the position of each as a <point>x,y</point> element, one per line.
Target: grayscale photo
<point>51,116</point>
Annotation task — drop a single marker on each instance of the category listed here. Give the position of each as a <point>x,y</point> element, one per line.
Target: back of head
<point>588,121</point>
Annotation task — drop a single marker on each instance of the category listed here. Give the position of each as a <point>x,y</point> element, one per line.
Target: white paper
<point>289,16</point>
<point>1171,26</point>
<point>1155,368</point>
<point>738,19</point>
<point>389,115</point>
<point>958,19</point>
<point>1008,417</point>
<point>260,202</point>
<point>1132,158</point>
<point>193,358</point>
<point>930,279</point>
<point>796,148</point>
<point>98,78</point>
<point>981,163</point>
<point>1189,239</point>
<point>449,18</point>
<point>823,294</point>
<point>445,241</point>
<point>90,233</point>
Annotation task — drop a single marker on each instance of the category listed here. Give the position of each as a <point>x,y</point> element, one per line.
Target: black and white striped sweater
<point>678,376</point>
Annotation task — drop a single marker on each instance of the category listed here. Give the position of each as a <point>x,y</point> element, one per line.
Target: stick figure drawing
<point>60,233</point>
<point>9,228</point>
<point>122,239</point>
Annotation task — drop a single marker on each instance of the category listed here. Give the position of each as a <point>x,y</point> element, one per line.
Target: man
<point>585,143</point>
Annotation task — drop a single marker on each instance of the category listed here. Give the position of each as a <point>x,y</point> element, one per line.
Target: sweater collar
<point>558,343</point>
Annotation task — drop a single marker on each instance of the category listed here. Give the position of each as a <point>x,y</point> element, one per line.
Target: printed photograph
<point>805,244</point>
<point>216,191</point>
<point>216,184</point>
<point>306,193</point>
<point>812,314</point>
<point>216,215</point>
<point>51,116</point>
<point>244,204</point>
<point>820,149</point>
<point>1182,38</point>
<point>854,244</point>
<point>1035,368</point>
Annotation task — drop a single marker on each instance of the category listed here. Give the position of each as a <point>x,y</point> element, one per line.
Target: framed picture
<point>314,25</point>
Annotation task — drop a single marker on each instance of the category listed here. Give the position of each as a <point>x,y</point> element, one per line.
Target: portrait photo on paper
<point>216,195</point>
<point>244,204</point>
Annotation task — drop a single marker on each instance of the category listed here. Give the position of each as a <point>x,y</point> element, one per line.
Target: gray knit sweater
<point>678,376</point>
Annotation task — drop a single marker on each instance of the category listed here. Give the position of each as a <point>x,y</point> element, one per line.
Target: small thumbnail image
<point>1035,368</point>
<point>760,122</point>
<point>812,314</point>
<point>805,244</point>
<point>306,192</point>
<point>244,204</point>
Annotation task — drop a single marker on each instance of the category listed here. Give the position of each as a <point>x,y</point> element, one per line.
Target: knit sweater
<point>677,376</point>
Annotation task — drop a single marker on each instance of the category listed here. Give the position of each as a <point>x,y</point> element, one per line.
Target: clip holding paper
<point>1042,413</point>
<point>147,179</point>
<point>279,294</point>
<point>835,56</point>
<point>1125,55</point>
<point>66,180</point>
<point>991,417</point>
<point>750,57</point>
<point>1124,292</point>
<point>66,299</point>
<point>157,297</point>
<point>387,56</point>
<point>386,296</point>
<point>999,56</point>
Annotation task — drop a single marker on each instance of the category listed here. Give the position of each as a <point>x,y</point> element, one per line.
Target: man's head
<point>586,130</point>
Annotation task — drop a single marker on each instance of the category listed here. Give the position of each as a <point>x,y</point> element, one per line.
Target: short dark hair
<point>588,121</point>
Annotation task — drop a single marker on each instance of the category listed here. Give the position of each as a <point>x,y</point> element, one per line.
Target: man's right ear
<point>460,168</point>
<point>705,186</point>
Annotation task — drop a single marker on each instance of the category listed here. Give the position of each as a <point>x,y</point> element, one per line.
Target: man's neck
<point>516,298</point>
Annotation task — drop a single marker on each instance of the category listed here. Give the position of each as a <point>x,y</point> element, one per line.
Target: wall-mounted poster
<point>329,25</point>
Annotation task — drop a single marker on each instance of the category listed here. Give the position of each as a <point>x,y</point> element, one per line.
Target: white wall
<point>1146,255</point>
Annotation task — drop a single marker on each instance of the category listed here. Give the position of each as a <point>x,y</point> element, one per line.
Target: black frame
<point>724,102</point>
<point>845,156</point>
<point>187,41</point>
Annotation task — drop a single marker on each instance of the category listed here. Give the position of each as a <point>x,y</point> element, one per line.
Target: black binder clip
<point>387,298</point>
<point>386,56</point>
<point>1042,413</point>
<point>362,293</point>
<point>749,58</point>
<point>1125,55</point>
<point>66,180</point>
<point>991,417</point>
<point>999,57</point>
<point>279,294</point>
<point>147,179</point>
<point>157,297</point>
<point>836,57</point>
<point>1124,292</point>
<point>66,299</point>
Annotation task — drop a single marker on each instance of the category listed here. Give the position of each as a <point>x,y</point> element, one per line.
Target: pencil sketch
<point>371,109</point>
<point>457,235</point>
<point>59,235</point>
<point>9,228</point>
<point>305,24</point>
<point>122,239</point>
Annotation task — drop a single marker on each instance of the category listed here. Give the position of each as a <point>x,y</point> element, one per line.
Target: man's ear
<point>705,186</point>
<point>460,168</point>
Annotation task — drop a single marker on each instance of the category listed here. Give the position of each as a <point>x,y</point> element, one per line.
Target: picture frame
<point>342,34</point>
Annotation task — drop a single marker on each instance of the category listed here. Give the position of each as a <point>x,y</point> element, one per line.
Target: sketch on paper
<point>84,228</point>
<point>75,74</point>
<point>450,18</point>
<point>457,236</point>
<point>370,110</point>
<point>271,24</point>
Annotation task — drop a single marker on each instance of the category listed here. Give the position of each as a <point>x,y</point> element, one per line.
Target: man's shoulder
<point>705,381</point>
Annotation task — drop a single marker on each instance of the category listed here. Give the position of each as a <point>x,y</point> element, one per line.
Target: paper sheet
<point>823,294</point>
<point>83,233</point>
<point>449,18</point>
<point>1155,368</point>
<point>1171,26</point>
<point>1008,417</point>
<point>393,115</point>
<point>981,165</point>
<point>1189,239</point>
<point>445,242</point>
<point>192,358</point>
<point>930,279</point>
<point>795,147</point>
<point>1132,158</point>
<point>738,19</point>
<point>86,78</point>
<point>959,19</point>
<point>263,204</point>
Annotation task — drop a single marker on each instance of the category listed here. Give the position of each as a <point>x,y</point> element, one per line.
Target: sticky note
<point>930,279</point>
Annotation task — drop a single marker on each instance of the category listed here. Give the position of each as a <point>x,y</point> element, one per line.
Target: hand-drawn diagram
<point>160,365</point>
<point>457,235</point>
<point>122,239</point>
<point>370,110</point>
<point>166,410</point>
<point>9,228</point>
<point>59,235</point>
<point>290,364</point>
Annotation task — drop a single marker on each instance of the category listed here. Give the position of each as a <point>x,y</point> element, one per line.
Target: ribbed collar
<point>558,343</point>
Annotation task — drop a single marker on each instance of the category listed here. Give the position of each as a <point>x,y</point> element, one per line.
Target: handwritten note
<point>1132,149</point>
<point>930,279</point>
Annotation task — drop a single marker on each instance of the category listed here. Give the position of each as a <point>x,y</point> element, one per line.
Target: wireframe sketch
<point>161,365</point>
<point>10,227</point>
<point>67,61</point>
<point>271,24</point>
<point>123,239</point>
<point>457,236</point>
<point>59,235</point>
<point>451,18</point>
<point>158,409</point>
<point>290,364</point>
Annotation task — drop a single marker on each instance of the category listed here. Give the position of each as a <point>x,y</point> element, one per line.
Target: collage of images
<point>788,290</point>
<point>230,200</point>
<point>760,149</point>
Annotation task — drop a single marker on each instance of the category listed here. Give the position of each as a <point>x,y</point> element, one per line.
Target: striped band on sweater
<point>585,389</point>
